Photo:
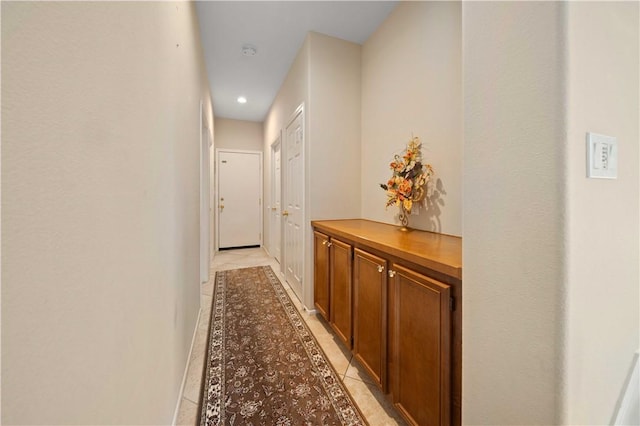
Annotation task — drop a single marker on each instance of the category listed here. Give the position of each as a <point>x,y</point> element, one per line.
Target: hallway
<point>375,408</point>
<point>107,112</point>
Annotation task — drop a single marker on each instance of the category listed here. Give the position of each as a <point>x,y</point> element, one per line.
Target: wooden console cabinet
<point>394,299</point>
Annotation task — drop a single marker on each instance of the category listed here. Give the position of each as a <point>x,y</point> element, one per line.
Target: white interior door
<point>239,199</point>
<point>276,200</point>
<point>294,203</point>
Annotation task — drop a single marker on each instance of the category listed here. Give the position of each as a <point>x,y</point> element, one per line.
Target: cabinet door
<point>321,273</point>
<point>420,347</point>
<point>340,290</point>
<point>370,314</point>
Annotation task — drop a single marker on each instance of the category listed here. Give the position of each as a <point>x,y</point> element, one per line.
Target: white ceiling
<point>277,29</point>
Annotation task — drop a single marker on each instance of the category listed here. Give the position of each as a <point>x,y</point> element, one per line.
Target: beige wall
<point>334,129</point>
<point>238,134</point>
<point>100,203</point>
<point>333,155</point>
<point>293,93</point>
<point>326,77</point>
<point>551,318</point>
<point>411,85</point>
<point>513,213</point>
<point>602,318</point>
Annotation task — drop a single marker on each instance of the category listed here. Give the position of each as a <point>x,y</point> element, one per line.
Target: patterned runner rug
<point>264,367</point>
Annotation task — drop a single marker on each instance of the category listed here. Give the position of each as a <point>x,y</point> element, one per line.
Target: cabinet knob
<point>324,243</point>
<point>329,244</point>
<point>380,268</point>
<point>392,273</point>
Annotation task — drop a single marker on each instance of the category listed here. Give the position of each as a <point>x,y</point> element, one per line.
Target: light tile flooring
<point>372,403</point>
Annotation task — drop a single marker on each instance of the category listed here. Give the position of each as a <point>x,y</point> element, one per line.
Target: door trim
<point>216,201</point>
<point>205,197</point>
<point>272,221</point>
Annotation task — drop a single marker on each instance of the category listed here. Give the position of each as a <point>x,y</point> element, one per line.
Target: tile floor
<point>372,403</point>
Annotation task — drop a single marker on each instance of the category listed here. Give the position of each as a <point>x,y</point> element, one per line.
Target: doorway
<point>239,198</point>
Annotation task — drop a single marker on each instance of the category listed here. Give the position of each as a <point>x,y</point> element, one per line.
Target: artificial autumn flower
<point>406,185</point>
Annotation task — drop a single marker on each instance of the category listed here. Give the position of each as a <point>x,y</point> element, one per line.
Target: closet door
<point>293,192</point>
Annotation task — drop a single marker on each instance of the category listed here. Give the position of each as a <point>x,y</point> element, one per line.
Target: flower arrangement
<point>409,177</point>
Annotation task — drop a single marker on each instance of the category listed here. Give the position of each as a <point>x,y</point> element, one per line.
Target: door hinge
<point>452,304</point>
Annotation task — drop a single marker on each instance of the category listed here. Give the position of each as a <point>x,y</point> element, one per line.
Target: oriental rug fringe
<point>263,365</point>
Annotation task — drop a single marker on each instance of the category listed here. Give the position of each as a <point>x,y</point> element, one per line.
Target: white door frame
<point>214,195</point>
<point>272,220</point>
<point>284,154</point>
<point>205,197</point>
<point>217,201</point>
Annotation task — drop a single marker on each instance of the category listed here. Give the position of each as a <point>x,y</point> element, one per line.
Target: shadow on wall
<point>628,407</point>
<point>433,205</point>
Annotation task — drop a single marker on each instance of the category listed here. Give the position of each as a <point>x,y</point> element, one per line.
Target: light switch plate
<point>602,156</point>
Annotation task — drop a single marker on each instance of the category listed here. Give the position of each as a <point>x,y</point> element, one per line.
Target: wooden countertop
<point>442,253</point>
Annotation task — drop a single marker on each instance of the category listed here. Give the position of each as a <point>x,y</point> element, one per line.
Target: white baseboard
<point>628,412</point>
<point>186,370</point>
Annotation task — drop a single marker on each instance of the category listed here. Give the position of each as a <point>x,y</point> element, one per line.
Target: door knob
<point>285,213</point>
<point>221,207</point>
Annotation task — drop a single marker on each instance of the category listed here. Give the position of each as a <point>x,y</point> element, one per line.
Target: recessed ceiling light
<point>249,50</point>
<point>242,100</point>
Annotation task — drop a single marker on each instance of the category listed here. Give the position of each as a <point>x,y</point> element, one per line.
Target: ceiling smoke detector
<point>249,50</point>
